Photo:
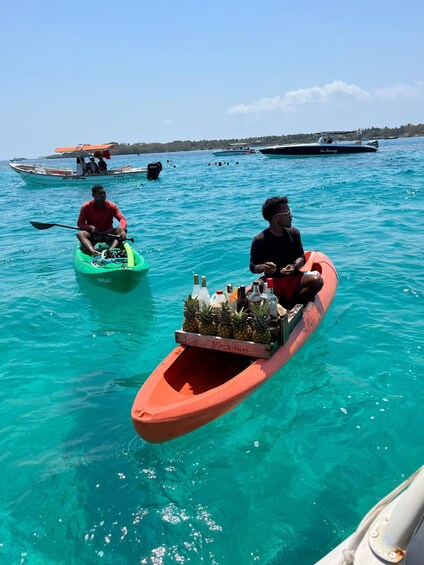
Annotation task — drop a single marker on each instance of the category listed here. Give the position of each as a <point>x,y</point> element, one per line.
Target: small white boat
<point>38,175</point>
<point>328,144</point>
<point>391,532</point>
<point>234,149</point>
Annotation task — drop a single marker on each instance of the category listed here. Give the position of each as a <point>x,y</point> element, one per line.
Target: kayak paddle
<point>42,226</point>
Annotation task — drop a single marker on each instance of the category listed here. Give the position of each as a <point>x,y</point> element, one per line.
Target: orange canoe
<point>193,385</point>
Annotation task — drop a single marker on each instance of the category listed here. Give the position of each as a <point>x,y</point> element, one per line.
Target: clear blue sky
<point>132,71</point>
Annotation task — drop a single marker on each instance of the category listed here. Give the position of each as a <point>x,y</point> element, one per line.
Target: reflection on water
<point>126,313</point>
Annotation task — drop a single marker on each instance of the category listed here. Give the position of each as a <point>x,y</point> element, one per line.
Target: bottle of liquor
<point>271,299</point>
<point>229,291</point>
<point>204,297</point>
<point>196,287</point>
<point>264,294</point>
<point>231,296</point>
<point>255,295</point>
<point>242,300</point>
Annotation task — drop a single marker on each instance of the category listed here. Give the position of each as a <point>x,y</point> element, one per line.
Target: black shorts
<point>103,237</point>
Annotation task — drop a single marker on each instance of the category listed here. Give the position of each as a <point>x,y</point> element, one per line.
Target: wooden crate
<point>249,348</point>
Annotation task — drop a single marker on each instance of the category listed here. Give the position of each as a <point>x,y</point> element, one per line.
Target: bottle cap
<point>270,283</point>
<point>219,291</point>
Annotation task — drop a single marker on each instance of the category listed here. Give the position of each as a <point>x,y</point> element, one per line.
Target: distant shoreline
<point>142,148</point>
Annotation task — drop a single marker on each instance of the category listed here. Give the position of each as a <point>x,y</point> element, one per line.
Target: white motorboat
<point>39,175</point>
<point>391,532</point>
<point>328,144</point>
<point>234,149</point>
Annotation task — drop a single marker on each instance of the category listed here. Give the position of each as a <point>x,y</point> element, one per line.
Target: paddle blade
<point>41,226</point>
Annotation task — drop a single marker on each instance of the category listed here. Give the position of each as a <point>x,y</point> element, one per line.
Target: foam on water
<point>283,477</point>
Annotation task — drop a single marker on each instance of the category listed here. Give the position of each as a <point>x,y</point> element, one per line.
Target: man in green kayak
<point>96,222</point>
<point>278,253</point>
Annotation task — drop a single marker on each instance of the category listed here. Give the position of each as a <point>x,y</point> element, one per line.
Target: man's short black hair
<point>96,187</point>
<point>272,205</point>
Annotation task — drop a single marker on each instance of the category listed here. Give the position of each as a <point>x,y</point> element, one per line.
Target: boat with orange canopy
<point>205,377</point>
<point>39,175</point>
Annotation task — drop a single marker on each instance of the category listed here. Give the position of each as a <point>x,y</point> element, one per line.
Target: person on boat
<point>80,166</point>
<point>278,253</point>
<point>83,164</point>
<point>93,167</point>
<point>102,165</point>
<point>96,222</point>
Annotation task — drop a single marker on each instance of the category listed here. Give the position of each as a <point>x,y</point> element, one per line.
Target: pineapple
<point>206,324</point>
<point>191,307</point>
<point>225,328</point>
<point>260,322</point>
<point>241,327</point>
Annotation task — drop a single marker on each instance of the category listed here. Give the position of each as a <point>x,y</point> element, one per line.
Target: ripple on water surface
<point>287,474</point>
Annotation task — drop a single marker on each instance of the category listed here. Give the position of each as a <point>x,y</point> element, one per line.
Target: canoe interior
<point>113,276</point>
<point>198,370</point>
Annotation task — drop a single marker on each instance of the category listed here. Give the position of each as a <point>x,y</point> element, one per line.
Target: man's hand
<point>288,270</point>
<point>121,233</point>
<point>269,268</point>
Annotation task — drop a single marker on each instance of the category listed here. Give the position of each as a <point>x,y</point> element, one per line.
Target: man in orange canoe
<point>96,222</point>
<point>278,252</point>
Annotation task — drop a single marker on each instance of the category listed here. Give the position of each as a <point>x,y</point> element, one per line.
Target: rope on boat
<point>349,553</point>
<point>100,260</point>
<point>22,179</point>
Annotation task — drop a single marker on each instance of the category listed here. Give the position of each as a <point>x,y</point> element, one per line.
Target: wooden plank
<point>295,315</point>
<point>284,328</point>
<point>248,348</point>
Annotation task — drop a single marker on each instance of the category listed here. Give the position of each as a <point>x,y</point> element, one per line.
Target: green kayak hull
<point>115,276</point>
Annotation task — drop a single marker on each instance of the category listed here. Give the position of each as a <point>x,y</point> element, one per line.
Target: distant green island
<point>408,130</point>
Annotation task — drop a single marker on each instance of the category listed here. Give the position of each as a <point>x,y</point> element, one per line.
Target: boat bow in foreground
<point>391,532</point>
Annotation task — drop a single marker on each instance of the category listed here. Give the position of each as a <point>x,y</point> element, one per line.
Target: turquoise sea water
<point>286,475</point>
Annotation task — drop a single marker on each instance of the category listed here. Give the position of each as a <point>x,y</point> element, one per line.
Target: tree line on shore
<point>408,130</point>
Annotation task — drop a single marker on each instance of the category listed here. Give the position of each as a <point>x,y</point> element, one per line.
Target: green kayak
<point>119,270</point>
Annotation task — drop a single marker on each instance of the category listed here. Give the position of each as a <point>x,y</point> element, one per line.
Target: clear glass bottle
<point>196,287</point>
<point>204,297</point>
<point>264,294</point>
<point>255,295</point>
<point>271,299</point>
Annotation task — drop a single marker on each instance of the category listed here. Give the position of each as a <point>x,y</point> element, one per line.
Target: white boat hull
<point>391,532</point>
<point>35,175</point>
<point>231,153</point>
